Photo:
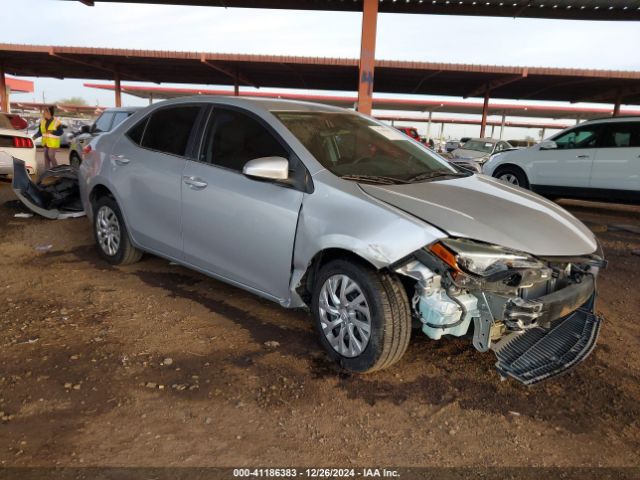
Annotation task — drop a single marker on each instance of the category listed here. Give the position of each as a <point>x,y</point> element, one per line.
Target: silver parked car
<point>476,151</point>
<point>107,121</point>
<point>319,207</point>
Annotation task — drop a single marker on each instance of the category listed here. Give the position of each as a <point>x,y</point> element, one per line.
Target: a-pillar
<point>485,111</point>
<point>118,89</point>
<point>4,93</point>
<point>367,55</point>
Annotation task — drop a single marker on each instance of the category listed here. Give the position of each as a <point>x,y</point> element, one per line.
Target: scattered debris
<point>167,361</point>
<point>151,385</point>
<point>271,344</point>
<point>44,248</point>
<point>23,215</point>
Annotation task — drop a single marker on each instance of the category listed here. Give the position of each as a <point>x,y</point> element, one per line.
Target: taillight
<point>86,150</point>
<point>22,142</point>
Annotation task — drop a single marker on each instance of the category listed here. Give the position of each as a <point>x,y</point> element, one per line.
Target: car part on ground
<point>55,195</point>
<point>315,206</point>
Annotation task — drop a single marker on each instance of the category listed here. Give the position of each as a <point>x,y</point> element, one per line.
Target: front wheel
<point>111,234</point>
<point>362,316</point>
<point>512,175</point>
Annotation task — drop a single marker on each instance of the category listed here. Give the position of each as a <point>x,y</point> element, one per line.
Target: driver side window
<point>233,138</point>
<point>581,137</point>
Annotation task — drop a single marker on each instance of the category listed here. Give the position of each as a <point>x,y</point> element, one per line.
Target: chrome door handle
<point>195,183</point>
<point>582,156</point>
<point>120,159</point>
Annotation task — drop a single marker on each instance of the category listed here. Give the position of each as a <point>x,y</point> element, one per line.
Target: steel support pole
<point>616,106</point>
<point>4,94</point>
<point>485,110</point>
<point>118,89</point>
<point>429,126</point>
<point>493,130</point>
<point>441,137</point>
<point>151,99</point>
<point>236,86</point>
<point>367,56</point>
<point>542,132</point>
<point>502,125</point>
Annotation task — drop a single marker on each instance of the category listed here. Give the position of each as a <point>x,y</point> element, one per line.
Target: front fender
<point>349,219</point>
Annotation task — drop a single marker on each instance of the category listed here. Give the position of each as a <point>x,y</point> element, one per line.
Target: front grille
<point>541,353</point>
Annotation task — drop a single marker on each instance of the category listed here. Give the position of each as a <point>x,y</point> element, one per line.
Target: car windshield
<point>361,149</point>
<point>478,146</point>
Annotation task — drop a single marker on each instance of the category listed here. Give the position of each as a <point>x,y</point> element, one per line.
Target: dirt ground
<point>156,365</point>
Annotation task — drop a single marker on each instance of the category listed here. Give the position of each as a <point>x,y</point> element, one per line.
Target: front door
<point>569,165</point>
<point>233,226</point>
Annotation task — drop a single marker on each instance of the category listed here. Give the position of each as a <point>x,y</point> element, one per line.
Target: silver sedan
<point>323,208</point>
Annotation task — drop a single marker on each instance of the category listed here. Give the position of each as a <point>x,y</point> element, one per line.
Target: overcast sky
<point>481,40</point>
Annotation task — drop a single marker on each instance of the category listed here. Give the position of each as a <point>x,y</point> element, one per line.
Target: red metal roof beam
<point>497,83</point>
<point>613,94</point>
<point>236,77</point>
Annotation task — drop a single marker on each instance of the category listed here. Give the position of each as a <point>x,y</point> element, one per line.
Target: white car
<point>15,142</point>
<point>596,160</point>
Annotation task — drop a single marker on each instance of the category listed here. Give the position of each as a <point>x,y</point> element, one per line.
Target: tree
<point>73,101</point>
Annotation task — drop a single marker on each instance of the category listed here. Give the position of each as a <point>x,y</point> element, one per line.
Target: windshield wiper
<point>374,179</point>
<point>436,174</point>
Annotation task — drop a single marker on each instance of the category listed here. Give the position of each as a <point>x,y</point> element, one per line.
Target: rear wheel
<point>111,234</point>
<point>362,316</point>
<point>512,175</point>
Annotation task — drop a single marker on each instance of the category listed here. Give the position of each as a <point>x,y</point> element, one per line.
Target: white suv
<point>596,160</point>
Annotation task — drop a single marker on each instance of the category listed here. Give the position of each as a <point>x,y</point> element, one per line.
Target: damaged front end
<point>55,195</point>
<point>536,314</point>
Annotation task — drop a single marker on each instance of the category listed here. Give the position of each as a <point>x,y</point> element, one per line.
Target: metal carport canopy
<point>558,9</point>
<point>321,73</point>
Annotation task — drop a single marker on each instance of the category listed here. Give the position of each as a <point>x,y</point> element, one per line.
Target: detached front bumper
<point>551,348</point>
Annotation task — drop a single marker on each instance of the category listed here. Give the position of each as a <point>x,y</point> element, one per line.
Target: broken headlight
<point>482,259</point>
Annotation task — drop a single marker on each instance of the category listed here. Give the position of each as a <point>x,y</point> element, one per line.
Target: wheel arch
<point>321,258</point>
<point>512,166</point>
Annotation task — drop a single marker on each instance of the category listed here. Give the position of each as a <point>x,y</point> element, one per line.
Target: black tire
<point>515,172</point>
<point>390,316</point>
<point>125,253</point>
<point>75,160</point>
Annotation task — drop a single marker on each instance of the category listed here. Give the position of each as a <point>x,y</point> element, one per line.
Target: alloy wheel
<point>344,315</point>
<point>509,178</point>
<point>108,230</point>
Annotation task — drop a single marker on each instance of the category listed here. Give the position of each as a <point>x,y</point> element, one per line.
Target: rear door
<point>147,164</point>
<point>569,165</point>
<point>235,227</point>
<point>617,163</point>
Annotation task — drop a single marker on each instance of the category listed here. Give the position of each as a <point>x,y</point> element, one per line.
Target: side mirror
<point>85,129</point>
<point>548,145</point>
<point>269,168</point>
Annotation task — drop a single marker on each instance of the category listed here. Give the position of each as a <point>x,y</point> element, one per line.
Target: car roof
<point>619,118</point>
<point>122,109</point>
<point>268,104</point>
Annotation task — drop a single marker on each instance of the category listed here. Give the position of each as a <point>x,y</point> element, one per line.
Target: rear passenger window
<point>168,130</point>
<point>135,133</point>
<point>234,138</point>
<point>621,135</point>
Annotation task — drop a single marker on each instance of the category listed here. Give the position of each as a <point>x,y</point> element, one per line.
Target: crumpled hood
<point>485,209</point>
<point>468,154</point>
